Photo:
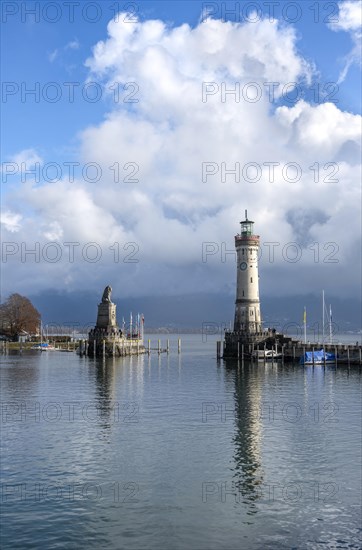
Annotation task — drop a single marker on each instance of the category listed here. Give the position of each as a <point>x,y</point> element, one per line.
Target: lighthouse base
<point>244,344</point>
<point>238,343</point>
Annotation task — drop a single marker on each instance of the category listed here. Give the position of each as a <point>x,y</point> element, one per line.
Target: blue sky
<point>169,135</point>
<point>28,45</point>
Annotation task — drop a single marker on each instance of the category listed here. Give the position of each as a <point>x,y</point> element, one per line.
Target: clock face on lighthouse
<point>243,266</point>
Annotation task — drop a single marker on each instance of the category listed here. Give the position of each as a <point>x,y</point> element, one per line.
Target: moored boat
<point>43,347</point>
<point>317,357</point>
<point>266,355</point>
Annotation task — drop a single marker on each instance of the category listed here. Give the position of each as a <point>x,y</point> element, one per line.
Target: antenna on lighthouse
<point>246,214</point>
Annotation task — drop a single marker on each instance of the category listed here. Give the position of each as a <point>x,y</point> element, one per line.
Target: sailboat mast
<point>323,317</point>
<point>330,323</point>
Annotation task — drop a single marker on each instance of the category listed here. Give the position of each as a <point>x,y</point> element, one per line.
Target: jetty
<point>286,348</point>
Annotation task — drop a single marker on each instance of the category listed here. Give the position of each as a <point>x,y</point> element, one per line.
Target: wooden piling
<point>293,354</point>
<point>149,346</point>
<point>94,348</point>
<point>159,347</point>
<point>238,349</point>
<point>104,348</point>
<point>218,347</point>
<point>179,345</point>
<point>168,346</point>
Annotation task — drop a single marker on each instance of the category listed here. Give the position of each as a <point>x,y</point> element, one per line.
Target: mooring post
<point>149,346</point>
<point>168,346</point>
<point>104,348</point>
<point>360,354</point>
<point>159,347</point>
<point>348,354</point>
<point>242,354</point>
<point>179,345</point>
<point>94,347</point>
<point>313,355</point>
<point>86,347</point>
<point>283,345</point>
<point>264,353</point>
<point>335,354</point>
<point>238,349</point>
<point>114,348</point>
<point>218,345</point>
<point>294,354</point>
<point>324,355</point>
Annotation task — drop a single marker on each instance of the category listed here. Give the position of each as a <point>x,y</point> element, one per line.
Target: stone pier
<point>107,339</point>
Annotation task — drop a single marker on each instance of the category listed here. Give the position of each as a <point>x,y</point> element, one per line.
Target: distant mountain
<point>194,310</point>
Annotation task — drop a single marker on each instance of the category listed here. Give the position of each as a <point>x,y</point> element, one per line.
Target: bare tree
<point>17,314</point>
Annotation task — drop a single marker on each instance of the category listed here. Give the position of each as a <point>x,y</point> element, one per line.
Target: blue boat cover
<point>317,356</point>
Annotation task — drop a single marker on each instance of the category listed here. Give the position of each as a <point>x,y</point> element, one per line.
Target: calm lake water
<point>178,452</point>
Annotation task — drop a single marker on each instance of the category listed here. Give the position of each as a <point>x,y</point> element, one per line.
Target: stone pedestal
<point>106,317</point>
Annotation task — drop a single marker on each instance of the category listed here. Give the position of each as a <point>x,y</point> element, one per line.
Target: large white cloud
<point>349,16</point>
<point>169,133</point>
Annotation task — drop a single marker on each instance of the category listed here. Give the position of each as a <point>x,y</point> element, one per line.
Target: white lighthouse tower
<point>247,305</point>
